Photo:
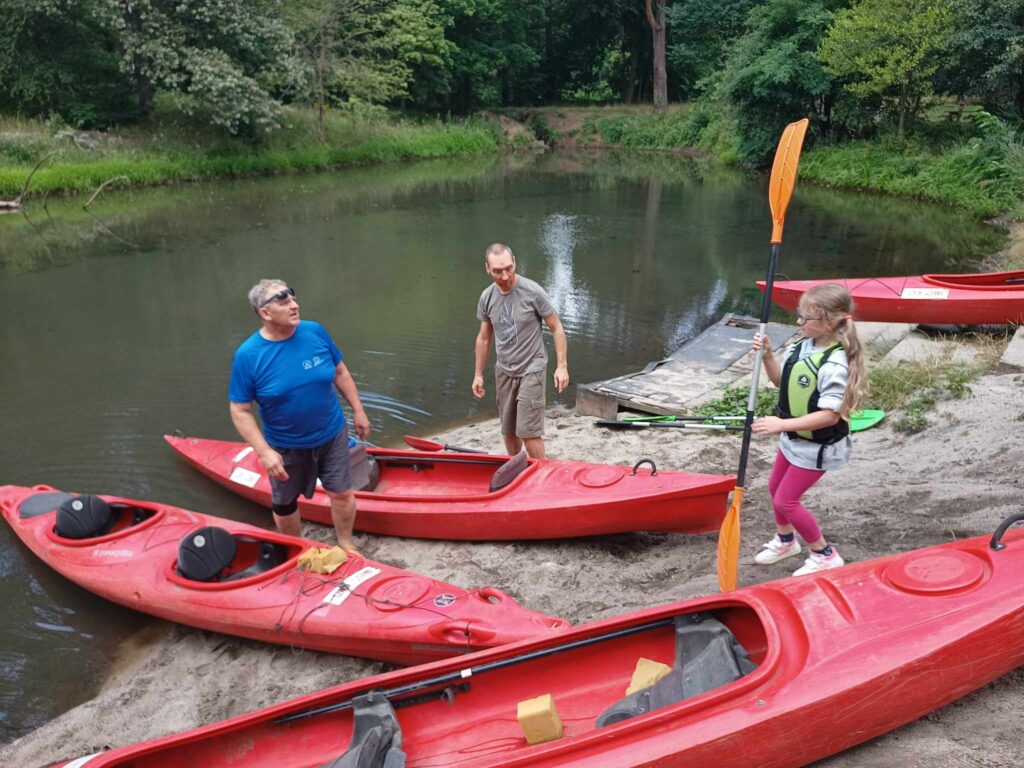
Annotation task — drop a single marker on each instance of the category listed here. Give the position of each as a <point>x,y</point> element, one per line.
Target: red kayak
<point>775,675</point>
<point>364,608</point>
<point>977,299</point>
<point>427,495</point>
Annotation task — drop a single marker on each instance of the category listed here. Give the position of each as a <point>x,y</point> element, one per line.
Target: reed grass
<point>173,150</point>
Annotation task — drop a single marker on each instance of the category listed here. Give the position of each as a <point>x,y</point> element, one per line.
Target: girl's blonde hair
<point>835,304</point>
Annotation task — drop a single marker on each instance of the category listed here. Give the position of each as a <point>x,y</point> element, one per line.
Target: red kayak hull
<point>842,656</point>
<point>445,496</point>
<point>365,608</point>
<point>972,299</point>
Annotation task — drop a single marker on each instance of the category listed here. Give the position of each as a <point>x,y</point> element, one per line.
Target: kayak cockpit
<point>468,717</point>
<point>992,281</point>
<point>213,557</point>
<point>88,519</point>
<point>414,476</point>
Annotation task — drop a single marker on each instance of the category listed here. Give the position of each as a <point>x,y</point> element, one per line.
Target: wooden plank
<point>695,372</point>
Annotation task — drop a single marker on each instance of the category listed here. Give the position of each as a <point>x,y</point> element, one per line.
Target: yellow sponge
<point>539,719</point>
<point>646,674</point>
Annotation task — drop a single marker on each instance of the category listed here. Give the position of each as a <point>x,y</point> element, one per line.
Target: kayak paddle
<point>421,444</point>
<point>780,190</point>
<point>680,418</point>
<point>613,424</point>
<point>465,674</point>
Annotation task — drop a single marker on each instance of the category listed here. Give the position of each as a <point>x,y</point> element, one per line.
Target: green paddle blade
<point>865,419</point>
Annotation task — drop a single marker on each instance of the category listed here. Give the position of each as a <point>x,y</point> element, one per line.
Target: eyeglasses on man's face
<point>283,295</point>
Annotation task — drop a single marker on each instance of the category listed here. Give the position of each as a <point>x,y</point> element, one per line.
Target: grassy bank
<point>975,166</point>
<point>172,149</point>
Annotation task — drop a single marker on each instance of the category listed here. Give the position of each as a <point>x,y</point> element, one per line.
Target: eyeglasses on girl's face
<point>802,318</point>
<point>283,295</point>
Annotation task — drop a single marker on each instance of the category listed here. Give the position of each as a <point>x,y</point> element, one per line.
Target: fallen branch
<point>16,203</point>
<point>100,189</point>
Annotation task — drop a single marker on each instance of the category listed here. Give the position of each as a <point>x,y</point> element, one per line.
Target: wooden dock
<point>719,357</point>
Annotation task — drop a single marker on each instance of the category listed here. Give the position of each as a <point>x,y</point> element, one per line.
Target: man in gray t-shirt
<point>511,311</point>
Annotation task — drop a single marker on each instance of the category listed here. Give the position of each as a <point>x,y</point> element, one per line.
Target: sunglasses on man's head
<point>281,295</point>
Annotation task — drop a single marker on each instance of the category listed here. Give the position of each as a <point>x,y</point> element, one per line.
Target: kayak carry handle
<point>996,544</point>
<point>654,469</point>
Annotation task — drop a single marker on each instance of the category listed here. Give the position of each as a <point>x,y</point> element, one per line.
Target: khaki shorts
<point>521,403</point>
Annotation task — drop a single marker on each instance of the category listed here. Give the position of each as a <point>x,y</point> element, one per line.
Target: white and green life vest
<point>798,395</point>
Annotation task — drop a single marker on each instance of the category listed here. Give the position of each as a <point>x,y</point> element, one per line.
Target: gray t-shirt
<point>516,318</point>
<point>832,379</point>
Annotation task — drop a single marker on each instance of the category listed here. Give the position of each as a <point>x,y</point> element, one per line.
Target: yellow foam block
<point>539,719</point>
<point>320,560</point>
<point>646,674</point>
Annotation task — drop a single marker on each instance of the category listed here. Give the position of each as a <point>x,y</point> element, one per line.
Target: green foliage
<point>983,175</point>
<point>702,31</point>
<point>56,58</point>
<point>174,158</point>
<point>773,76</point>
<point>734,402</point>
<point>914,388</point>
<point>889,48</point>
<point>984,55</point>
<point>644,129</point>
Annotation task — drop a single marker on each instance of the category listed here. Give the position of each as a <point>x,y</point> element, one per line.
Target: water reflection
<point>107,346</point>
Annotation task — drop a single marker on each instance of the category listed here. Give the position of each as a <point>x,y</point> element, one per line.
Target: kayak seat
<point>509,471</point>
<point>204,554</point>
<point>365,470</point>
<point>84,517</point>
<point>268,556</point>
<point>708,656</point>
<point>376,736</point>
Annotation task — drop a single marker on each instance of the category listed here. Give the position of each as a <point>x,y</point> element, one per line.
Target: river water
<point>119,322</point>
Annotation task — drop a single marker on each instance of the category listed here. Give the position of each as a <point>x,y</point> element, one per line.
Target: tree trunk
<point>656,19</point>
<point>320,66</point>
<point>902,107</point>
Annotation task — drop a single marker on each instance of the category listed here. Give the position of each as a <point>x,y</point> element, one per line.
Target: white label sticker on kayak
<point>82,760</point>
<point>340,593</point>
<point>925,293</point>
<point>245,477</point>
<point>242,454</point>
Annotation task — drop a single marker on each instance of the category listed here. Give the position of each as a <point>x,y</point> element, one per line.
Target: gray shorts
<point>521,403</point>
<point>328,462</point>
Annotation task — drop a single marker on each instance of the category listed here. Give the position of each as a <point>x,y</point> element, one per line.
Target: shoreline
<point>957,478</point>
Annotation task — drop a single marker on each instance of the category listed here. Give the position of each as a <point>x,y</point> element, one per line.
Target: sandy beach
<point>958,478</point>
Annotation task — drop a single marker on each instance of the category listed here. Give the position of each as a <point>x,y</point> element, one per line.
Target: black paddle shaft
<point>766,307</point>
<point>466,674</point>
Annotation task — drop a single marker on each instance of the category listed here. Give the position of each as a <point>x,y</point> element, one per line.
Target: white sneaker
<point>776,550</point>
<point>817,562</point>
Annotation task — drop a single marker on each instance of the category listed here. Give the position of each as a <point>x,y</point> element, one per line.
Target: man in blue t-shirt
<point>290,369</point>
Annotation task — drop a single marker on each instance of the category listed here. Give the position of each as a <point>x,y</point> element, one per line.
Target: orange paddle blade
<point>729,544</point>
<point>787,159</point>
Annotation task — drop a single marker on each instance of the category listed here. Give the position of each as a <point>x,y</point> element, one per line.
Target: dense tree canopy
<point>752,65</point>
<point>889,48</point>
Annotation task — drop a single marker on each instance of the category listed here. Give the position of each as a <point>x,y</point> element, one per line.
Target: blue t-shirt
<point>292,382</point>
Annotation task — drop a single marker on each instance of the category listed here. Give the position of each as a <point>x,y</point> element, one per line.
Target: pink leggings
<point>786,485</point>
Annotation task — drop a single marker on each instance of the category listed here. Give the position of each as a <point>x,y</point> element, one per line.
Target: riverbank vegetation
<point>922,98</point>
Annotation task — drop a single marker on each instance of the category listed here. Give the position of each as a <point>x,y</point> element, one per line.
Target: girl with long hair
<point>821,380</point>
